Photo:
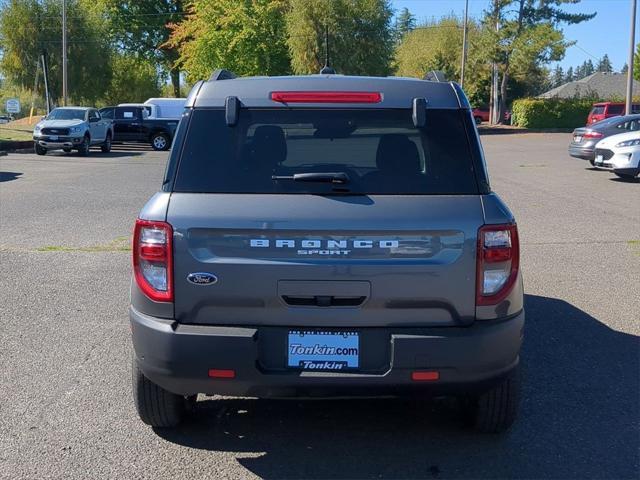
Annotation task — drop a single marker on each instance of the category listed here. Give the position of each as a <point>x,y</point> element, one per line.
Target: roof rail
<point>222,74</point>
<point>435,76</point>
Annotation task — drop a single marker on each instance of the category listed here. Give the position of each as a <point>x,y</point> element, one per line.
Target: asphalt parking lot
<point>65,402</point>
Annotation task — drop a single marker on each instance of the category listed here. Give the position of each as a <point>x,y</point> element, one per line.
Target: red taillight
<point>593,135</point>
<point>430,376</point>
<point>326,97</point>
<point>498,260</point>
<point>217,373</point>
<point>153,259</point>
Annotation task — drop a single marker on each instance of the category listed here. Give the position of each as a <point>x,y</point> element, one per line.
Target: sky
<point>607,33</point>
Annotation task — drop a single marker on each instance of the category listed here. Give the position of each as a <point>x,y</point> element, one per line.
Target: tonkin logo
<point>202,278</point>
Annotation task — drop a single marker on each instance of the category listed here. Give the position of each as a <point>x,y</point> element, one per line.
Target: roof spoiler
<point>435,76</point>
<point>222,74</point>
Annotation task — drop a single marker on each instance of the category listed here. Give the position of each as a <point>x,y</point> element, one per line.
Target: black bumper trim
<point>177,357</point>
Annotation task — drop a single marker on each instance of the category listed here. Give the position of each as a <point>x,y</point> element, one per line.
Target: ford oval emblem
<point>202,278</point>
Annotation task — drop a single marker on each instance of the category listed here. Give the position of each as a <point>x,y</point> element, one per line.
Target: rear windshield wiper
<point>339,178</point>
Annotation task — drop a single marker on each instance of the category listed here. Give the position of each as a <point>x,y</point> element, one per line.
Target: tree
<point>133,80</point>
<point>142,28</point>
<point>579,71</point>
<point>405,22</point>
<point>604,64</point>
<point>624,69</point>
<point>557,77</point>
<point>361,37</point>
<point>30,27</point>
<point>246,37</point>
<point>525,34</point>
<point>437,45</point>
<point>589,69</point>
<point>570,76</point>
<point>636,63</point>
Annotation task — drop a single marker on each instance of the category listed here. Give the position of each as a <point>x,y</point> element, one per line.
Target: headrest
<point>397,154</point>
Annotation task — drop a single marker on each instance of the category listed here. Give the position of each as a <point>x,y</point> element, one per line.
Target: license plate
<point>53,137</point>
<point>599,159</point>
<point>577,138</point>
<point>318,350</point>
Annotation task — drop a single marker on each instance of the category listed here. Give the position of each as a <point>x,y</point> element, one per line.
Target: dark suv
<point>326,235</point>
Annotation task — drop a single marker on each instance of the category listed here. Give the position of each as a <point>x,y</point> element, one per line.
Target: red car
<point>603,110</point>
<point>481,114</point>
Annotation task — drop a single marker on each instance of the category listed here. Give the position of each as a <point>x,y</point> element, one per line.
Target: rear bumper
<point>581,152</point>
<point>178,357</point>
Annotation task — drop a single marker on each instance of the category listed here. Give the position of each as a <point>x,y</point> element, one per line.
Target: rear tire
<point>160,141</point>
<point>106,146</point>
<point>156,406</point>
<point>40,150</point>
<point>83,149</point>
<point>495,410</point>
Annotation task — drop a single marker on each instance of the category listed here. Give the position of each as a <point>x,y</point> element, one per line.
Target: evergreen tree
<point>405,22</point>
<point>624,69</point>
<point>604,65</point>
<point>588,68</point>
<point>557,77</point>
<point>570,77</point>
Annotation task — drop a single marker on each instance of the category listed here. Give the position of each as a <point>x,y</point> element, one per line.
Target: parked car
<point>72,128</point>
<point>584,139</point>
<point>162,108</point>
<point>603,110</point>
<point>5,119</point>
<point>326,235</point>
<point>131,124</point>
<point>620,153</point>
<point>482,114</point>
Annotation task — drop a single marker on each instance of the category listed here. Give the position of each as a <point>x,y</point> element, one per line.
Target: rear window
<point>123,113</point>
<point>615,110</point>
<point>377,151</point>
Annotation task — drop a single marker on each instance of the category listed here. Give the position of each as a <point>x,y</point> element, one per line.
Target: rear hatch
<point>325,218</point>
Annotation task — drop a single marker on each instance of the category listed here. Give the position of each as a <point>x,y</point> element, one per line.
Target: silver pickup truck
<point>73,128</point>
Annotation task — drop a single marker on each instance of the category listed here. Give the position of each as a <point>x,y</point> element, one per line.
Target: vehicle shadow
<point>8,176</point>
<point>625,180</point>
<point>579,419</point>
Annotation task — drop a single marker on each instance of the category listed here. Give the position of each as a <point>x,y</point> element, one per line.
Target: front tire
<point>625,176</point>
<point>106,146</point>
<point>160,141</point>
<point>83,149</point>
<point>156,406</point>
<point>39,149</point>
<point>495,410</point>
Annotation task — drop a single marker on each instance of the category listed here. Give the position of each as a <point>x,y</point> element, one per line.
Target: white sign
<point>12,105</point>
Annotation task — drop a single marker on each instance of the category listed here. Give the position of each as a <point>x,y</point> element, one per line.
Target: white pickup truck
<point>73,128</point>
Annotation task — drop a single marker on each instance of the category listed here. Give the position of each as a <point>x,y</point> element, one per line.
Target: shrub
<point>551,112</point>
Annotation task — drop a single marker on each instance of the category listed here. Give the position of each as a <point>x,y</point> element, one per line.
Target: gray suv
<point>326,235</point>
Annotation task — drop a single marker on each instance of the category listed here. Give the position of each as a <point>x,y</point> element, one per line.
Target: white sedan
<point>619,153</point>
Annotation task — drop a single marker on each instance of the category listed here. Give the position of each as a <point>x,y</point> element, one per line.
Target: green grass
<point>635,246</point>
<point>118,244</point>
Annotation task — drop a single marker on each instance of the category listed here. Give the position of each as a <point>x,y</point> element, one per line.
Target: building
<point>600,85</point>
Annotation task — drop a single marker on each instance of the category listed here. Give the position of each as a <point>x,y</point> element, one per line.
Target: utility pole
<point>632,41</point>
<point>464,43</point>
<point>64,52</point>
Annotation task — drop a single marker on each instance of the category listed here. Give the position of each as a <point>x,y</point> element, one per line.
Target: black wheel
<point>160,141</point>
<point>106,146</point>
<point>39,149</point>
<point>495,411</point>
<point>478,120</point>
<point>67,150</point>
<point>83,149</point>
<point>155,405</point>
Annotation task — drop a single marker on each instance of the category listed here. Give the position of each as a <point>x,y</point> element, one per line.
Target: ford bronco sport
<point>326,235</point>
